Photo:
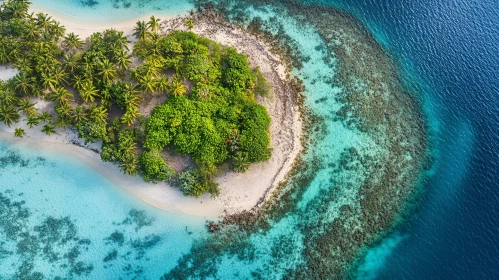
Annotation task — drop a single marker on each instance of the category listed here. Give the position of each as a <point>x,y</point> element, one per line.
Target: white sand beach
<point>238,191</point>
<point>85,28</point>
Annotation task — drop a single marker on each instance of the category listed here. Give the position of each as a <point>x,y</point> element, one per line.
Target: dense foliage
<point>210,111</point>
<point>155,167</point>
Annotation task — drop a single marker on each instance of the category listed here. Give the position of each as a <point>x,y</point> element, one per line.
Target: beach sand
<point>85,28</point>
<point>7,72</point>
<point>237,191</point>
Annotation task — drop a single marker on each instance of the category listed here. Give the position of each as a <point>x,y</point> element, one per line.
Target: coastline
<point>238,191</point>
<point>85,28</point>
<point>369,152</point>
<point>314,211</point>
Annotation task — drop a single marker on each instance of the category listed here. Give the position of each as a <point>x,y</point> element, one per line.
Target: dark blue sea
<point>451,48</point>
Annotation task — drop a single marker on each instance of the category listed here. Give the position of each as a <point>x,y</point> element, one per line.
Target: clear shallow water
<point>448,48</point>
<point>115,10</point>
<point>62,218</point>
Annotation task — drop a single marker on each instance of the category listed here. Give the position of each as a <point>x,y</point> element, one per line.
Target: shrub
<point>262,87</point>
<point>154,167</point>
<point>192,183</point>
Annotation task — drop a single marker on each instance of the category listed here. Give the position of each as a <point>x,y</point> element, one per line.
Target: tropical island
<point>164,94</point>
<point>188,100</point>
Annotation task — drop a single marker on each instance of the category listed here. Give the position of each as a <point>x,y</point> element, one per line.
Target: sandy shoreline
<point>238,191</point>
<point>85,28</point>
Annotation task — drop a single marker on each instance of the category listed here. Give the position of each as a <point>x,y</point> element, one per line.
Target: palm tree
<point>105,94</point>
<point>7,98</point>
<point>131,96</point>
<point>88,63</point>
<point>150,67</point>
<point>48,129</point>
<point>123,61</point>
<point>27,107</point>
<point>4,57</point>
<point>56,30</point>
<point>19,132</point>
<point>62,96</point>
<point>31,31</point>
<point>99,114</point>
<point>72,42</point>
<point>88,92</point>
<point>43,20</point>
<point>148,84</point>
<point>135,74</point>
<point>47,38</point>
<point>122,41</point>
<point>127,149</point>
<point>23,65</point>
<point>79,114</point>
<point>45,117</point>
<point>41,48</point>
<point>240,162</point>
<point>17,9</point>
<point>132,100</point>
<point>14,52</point>
<point>71,62</point>
<point>130,115</point>
<point>23,83</point>
<point>178,87</point>
<point>60,75</point>
<point>108,71</point>
<point>163,84</point>
<point>8,114</point>
<point>153,24</point>
<point>79,81</point>
<point>140,31</point>
<point>30,17</point>
<point>49,81</point>
<point>64,111</point>
<point>129,166</point>
<point>155,47</point>
<point>32,120</point>
<point>45,62</point>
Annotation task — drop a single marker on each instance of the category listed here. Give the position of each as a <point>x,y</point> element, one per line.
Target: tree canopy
<point>210,113</point>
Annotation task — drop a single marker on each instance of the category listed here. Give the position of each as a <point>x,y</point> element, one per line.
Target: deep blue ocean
<point>452,49</point>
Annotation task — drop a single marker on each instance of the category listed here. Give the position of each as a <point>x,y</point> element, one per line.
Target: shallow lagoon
<point>62,218</point>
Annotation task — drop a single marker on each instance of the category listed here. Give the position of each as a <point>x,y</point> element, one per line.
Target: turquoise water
<point>109,11</point>
<point>314,236</point>
<point>450,49</point>
<point>272,253</point>
<point>59,217</point>
<point>462,142</point>
<point>285,249</point>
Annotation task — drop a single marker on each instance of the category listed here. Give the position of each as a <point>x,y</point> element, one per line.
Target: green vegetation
<point>19,132</point>
<point>210,113</point>
<point>155,167</point>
